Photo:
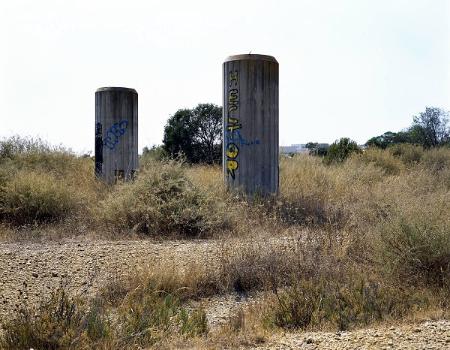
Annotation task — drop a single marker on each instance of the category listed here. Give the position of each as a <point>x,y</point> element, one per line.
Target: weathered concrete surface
<point>250,127</point>
<point>116,133</point>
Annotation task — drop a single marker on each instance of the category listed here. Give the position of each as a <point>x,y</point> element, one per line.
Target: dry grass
<point>146,311</point>
<point>373,238</point>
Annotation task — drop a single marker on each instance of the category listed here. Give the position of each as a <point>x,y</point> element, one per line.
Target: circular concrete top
<point>112,88</point>
<point>251,57</point>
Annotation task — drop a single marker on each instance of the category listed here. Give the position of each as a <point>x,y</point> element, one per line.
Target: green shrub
<point>341,304</point>
<point>341,150</point>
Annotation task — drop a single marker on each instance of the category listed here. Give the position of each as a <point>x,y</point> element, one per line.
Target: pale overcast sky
<point>353,68</point>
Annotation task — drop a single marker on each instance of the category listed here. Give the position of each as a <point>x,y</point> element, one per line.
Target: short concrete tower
<point>116,133</point>
<point>250,124</point>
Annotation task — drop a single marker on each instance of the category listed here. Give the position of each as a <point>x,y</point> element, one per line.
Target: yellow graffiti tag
<point>232,107</point>
<point>232,165</point>
<point>232,127</point>
<point>233,79</point>
<point>233,95</point>
<point>232,151</point>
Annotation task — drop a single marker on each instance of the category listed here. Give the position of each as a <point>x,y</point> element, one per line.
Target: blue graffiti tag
<point>235,136</point>
<point>114,133</point>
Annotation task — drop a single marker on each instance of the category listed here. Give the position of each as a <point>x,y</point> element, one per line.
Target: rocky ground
<point>425,335</point>
<point>29,271</point>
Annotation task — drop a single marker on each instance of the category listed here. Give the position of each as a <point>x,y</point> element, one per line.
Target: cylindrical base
<point>116,133</point>
<point>250,124</point>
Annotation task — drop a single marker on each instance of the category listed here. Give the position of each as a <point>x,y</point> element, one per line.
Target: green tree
<point>178,134</point>
<point>208,132</point>
<point>430,128</point>
<point>341,150</point>
<point>317,149</point>
<point>195,133</point>
<point>382,141</point>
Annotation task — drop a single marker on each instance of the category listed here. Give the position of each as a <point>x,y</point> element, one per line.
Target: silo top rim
<point>251,57</point>
<point>113,88</point>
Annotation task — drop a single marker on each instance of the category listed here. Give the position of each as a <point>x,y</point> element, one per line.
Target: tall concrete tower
<point>250,124</point>
<point>116,133</point>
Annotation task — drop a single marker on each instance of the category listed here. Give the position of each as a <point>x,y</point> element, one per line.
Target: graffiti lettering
<point>114,133</point>
<point>232,165</point>
<point>233,100</point>
<point>234,136</point>
<point>98,149</point>
<point>232,151</point>
<point>232,125</point>
<point>233,79</point>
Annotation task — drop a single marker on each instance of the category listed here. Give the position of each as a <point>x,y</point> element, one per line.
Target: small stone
<point>54,274</point>
<point>309,341</point>
<point>34,274</point>
<point>417,330</point>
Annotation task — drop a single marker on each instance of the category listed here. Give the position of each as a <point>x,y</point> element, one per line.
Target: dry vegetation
<point>372,244</point>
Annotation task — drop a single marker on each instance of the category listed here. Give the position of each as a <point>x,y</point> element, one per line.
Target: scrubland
<point>371,243</point>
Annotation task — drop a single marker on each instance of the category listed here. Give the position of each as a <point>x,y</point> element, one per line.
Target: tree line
<point>196,135</point>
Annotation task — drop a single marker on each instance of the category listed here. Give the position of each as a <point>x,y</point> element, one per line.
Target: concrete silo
<point>250,124</point>
<point>116,133</point>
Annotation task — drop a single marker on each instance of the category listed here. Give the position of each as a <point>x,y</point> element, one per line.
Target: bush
<point>162,201</point>
<point>341,150</point>
<point>60,323</point>
<point>415,246</point>
<point>145,315</point>
<point>340,304</point>
<point>155,153</point>
<point>256,267</point>
<point>31,197</point>
<point>150,314</point>
<point>40,183</point>
<point>382,159</point>
<point>409,154</point>
<point>16,145</point>
<point>437,159</point>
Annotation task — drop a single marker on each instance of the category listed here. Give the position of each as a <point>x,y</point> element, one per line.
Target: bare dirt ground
<point>425,335</point>
<point>29,271</point>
